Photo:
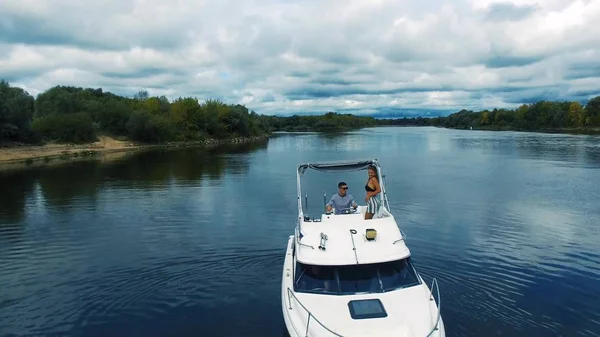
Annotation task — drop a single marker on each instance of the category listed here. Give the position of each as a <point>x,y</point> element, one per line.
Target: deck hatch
<point>362,309</point>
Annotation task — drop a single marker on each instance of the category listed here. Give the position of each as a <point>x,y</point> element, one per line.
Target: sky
<point>389,58</point>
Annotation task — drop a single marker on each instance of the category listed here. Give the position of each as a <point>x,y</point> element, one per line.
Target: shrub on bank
<point>148,128</point>
<point>65,128</point>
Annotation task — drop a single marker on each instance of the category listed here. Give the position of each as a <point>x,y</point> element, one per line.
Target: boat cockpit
<point>356,278</point>
<point>346,213</point>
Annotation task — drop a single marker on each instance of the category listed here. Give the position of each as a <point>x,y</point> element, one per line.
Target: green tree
<point>16,113</point>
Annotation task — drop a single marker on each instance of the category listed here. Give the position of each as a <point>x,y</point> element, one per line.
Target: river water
<point>191,242</point>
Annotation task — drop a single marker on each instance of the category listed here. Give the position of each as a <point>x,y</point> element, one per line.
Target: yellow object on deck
<point>371,234</point>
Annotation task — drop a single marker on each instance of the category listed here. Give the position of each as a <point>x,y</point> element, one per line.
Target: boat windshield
<point>355,279</point>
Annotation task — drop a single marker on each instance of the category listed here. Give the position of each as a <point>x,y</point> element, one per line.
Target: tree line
<point>539,116</point>
<point>78,115</point>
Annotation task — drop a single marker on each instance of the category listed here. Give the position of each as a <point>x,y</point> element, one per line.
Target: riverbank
<point>28,155</point>
<point>572,131</point>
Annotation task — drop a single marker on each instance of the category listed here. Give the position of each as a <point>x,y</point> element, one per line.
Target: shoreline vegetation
<point>66,122</point>
<point>72,122</point>
<point>544,116</point>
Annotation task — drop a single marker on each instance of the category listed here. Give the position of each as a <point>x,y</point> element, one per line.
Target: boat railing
<point>290,294</point>
<point>386,202</point>
<point>403,237</point>
<point>297,235</point>
<point>439,306</point>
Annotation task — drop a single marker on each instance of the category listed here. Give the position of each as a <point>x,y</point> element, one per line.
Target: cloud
<point>506,11</point>
<point>308,56</point>
<point>510,61</point>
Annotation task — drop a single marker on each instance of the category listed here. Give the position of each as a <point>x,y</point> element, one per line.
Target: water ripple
<point>98,296</point>
<point>190,242</point>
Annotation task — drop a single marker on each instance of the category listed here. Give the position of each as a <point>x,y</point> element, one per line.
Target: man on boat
<point>341,200</point>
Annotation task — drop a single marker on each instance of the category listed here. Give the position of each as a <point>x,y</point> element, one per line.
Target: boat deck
<point>347,243</point>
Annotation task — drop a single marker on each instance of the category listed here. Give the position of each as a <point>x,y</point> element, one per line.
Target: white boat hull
<point>330,311</point>
<point>348,275</point>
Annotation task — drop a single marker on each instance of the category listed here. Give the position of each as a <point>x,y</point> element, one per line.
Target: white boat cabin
<point>346,254</point>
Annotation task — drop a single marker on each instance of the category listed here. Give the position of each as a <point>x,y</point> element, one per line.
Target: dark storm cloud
<point>142,73</point>
<point>502,61</point>
<point>579,71</point>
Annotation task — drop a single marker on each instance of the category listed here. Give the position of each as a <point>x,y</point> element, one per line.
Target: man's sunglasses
<point>343,188</point>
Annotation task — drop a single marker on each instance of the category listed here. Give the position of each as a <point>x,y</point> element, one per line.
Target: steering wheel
<point>350,210</point>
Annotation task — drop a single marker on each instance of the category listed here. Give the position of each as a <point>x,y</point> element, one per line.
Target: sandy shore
<point>23,153</point>
<point>106,148</point>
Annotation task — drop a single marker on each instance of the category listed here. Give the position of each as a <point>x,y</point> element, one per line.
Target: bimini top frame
<point>340,166</point>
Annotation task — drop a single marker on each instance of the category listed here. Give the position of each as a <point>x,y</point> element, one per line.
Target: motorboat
<point>344,275</point>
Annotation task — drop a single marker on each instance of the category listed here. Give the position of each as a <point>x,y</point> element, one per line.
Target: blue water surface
<point>190,242</point>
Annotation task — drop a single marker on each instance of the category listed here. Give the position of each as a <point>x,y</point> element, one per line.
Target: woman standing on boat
<point>373,189</point>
